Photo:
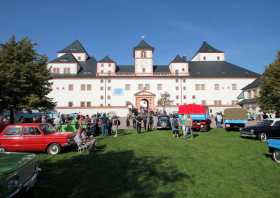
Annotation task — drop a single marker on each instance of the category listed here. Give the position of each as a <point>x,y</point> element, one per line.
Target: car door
<point>32,139</point>
<point>11,138</point>
<point>275,130</point>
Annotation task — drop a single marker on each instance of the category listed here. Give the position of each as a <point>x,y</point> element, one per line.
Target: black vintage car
<point>269,128</point>
<point>163,122</point>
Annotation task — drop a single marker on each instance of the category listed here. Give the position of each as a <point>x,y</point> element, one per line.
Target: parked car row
<point>267,130</point>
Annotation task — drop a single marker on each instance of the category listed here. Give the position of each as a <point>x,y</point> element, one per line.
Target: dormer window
<point>176,71</point>
<point>79,58</point>
<point>183,69</point>
<point>204,57</point>
<point>102,64</point>
<point>109,65</point>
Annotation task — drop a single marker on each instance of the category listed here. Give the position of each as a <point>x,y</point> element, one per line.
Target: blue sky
<point>248,31</point>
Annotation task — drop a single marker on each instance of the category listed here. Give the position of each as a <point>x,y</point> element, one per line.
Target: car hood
<point>10,162</point>
<point>61,135</point>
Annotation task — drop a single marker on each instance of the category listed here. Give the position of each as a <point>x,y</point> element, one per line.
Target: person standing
<point>138,123</point>
<point>219,120</point>
<point>155,121</point>
<point>145,121</point>
<point>116,124</point>
<point>150,122</point>
<point>175,126</point>
<point>188,126</point>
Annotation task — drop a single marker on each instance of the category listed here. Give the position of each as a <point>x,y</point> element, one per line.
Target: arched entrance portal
<point>145,100</point>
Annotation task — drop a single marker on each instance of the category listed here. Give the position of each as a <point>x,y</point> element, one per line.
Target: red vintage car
<point>31,137</point>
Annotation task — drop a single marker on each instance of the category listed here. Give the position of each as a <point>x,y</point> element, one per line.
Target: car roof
<point>25,124</point>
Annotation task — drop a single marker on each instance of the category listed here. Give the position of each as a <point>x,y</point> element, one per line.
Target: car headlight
<point>252,130</point>
<point>13,182</point>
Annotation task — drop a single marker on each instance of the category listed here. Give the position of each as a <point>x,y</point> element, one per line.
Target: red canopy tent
<point>192,109</point>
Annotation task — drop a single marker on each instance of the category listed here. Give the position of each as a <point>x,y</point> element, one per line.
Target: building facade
<point>249,95</point>
<point>83,84</point>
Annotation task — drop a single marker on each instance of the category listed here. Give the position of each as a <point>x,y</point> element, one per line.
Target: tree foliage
<point>24,77</point>
<point>164,100</point>
<point>269,99</point>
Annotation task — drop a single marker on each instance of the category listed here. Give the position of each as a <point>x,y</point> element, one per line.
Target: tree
<point>24,77</point>
<point>269,99</point>
<point>164,100</point>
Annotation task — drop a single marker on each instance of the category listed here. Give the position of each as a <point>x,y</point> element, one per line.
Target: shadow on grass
<point>110,174</point>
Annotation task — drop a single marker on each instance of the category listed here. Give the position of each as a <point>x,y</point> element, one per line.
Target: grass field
<point>154,164</point>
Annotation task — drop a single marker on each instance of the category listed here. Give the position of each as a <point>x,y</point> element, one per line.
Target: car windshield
<point>266,122</point>
<point>47,128</point>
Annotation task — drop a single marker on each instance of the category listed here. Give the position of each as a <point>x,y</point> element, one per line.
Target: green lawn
<point>154,164</point>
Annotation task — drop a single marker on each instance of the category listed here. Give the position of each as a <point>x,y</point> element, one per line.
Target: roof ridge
<point>74,47</point>
<point>143,45</point>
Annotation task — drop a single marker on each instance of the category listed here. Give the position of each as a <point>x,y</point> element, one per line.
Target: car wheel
<point>276,156</point>
<point>2,150</point>
<point>53,149</point>
<point>263,137</point>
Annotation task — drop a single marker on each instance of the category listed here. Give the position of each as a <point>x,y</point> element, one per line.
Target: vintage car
<point>199,115</point>
<point>274,149</point>
<point>235,119</point>
<point>269,128</point>
<point>34,137</point>
<point>18,173</point>
<point>163,122</point>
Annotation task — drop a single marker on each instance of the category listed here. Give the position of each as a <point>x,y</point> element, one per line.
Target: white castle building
<point>81,83</point>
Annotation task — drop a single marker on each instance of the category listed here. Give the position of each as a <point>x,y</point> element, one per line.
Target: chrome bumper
<point>248,135</point>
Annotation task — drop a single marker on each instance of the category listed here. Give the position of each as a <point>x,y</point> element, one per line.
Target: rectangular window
<point>89,87</point>
<point>234,86</point>
<point>70,104</point>
<point>83,87</point>
<point>185,97</point>
<point>101,97</point>
<point>184,88</point>
<point>101,88</point>
<point>177,88</point>
<point>140,86</point>
<point>127,87</point>
<point>216,87</point>
<point>217,102</point>
<point>177,97</point>
<point>88,104</point>
<point>203,102</point>
<point>70,87</point>
<point>66,70</point>
<point>147,86</point>
<point>109,97</point>
<point>82,104</point>
<point>159,86</point>
<point>202,86</point>
<point>109,88</point>
<point>199,87</point>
